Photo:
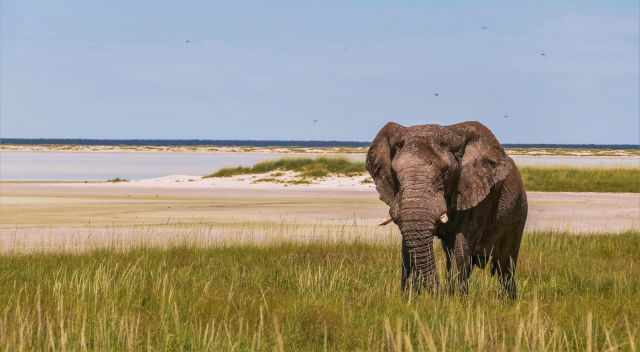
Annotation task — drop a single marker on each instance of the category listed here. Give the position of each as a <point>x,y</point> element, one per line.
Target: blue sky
<point>266,70</point>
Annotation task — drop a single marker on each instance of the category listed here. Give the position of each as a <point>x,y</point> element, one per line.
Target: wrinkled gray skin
<point>422,172</point>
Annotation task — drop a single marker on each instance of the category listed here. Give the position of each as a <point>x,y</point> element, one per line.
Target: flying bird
<point>542,53</point>
<point>187,41</point>
<point>436,94</point>
<point>484,28</point>
<point>506,116</point>
<point>315,121</point>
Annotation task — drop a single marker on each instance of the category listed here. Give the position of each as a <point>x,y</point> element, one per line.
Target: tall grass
<point>577,293</point>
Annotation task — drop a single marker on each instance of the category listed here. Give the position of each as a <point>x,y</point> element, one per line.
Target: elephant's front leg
<point>459,263</point>
<point>407,266</point>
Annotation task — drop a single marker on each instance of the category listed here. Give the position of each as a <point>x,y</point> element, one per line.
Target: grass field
<point>548,179</point>
<point>578,293</point>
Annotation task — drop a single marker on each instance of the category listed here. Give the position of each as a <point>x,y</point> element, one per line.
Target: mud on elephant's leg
<point>459,263</point>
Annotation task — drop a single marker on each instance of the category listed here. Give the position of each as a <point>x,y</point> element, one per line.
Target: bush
<point>117,179</point>
<point>319,167</point>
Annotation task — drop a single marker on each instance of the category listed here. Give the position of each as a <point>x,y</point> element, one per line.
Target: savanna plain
<point>189,268</point>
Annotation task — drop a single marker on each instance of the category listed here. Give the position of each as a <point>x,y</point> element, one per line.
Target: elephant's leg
<point>464,262</point>
<point>505,260</point>
<point>450,259</point>
<point>459,263</point>
<point>407,266</point>
<point>505,269</point>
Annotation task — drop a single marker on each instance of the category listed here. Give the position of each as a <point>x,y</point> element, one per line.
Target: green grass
<point>307,167</point>
<point>581,179</point>
<point>578,293</point>
<point>574,151</point>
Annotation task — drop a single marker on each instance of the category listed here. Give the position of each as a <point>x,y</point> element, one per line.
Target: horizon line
<point>277,142</point>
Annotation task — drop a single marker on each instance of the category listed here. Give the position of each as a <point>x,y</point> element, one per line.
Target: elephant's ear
<point>483,164</point>
<point>379,158</point>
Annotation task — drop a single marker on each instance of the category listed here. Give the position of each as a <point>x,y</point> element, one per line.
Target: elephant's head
<point>428,173</point>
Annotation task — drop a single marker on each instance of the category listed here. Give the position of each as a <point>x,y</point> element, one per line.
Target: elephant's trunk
<point>421,207</point>
<point>417,236</point>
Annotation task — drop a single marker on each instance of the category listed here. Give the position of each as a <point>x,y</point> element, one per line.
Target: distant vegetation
<point>611,152</point>
<point>295,181</point>
<point>367,180</point>
<point>544,179</point>
<point>117,179</point>
<point>313,297</point>
<point>547,179</point>
<point>306,167</point>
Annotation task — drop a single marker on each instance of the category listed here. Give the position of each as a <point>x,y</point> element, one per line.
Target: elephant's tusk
<point>444,218</point>
<point>386,222</point>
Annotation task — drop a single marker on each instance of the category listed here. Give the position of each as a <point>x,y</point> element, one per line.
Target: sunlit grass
<point>577,293</point>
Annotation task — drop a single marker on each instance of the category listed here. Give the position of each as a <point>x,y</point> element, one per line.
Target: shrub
<point>117,179</point>
<point>308,167</point>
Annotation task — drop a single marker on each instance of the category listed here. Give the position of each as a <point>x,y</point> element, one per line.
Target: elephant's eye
<point>396,148</point>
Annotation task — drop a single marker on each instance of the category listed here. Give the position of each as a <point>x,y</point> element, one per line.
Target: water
<point>182,142</point>
<point>263,143</point>
<point>78,166</point>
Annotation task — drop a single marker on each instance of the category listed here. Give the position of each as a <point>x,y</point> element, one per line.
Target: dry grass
<point>577,293</point>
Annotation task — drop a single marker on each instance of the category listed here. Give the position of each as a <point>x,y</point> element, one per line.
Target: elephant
<point>456,183</point>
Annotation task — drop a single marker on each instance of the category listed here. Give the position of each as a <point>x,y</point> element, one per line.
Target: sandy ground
<point>268,181</point>
<point>61,215</point>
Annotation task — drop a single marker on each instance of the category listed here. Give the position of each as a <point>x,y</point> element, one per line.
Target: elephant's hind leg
<point>505,260</point>
<point>505,269</point>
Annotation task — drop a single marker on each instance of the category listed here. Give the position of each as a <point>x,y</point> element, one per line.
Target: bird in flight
<point>315,121</point>
<point>542,53</point>
<point>484,28</point>
<point>187,41</point>
<point>436,94</point>
<point>506,116</point>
